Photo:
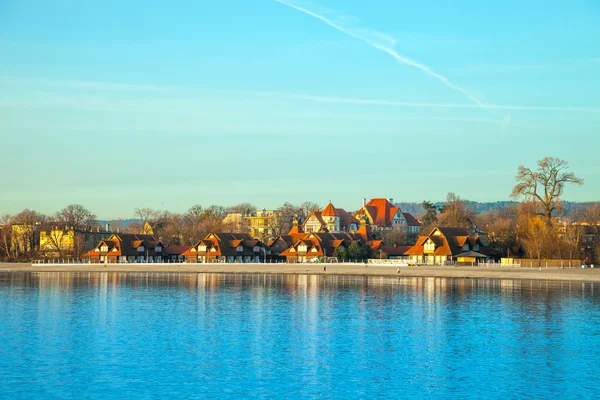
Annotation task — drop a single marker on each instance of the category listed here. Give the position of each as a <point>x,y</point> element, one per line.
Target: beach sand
<point>552,273</point>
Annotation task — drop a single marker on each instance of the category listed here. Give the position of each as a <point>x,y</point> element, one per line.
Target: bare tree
<point>25,231</point>
<point>545,185</point>
<point>5,235</point>
<point>242,208</point>
<point>281,223</point>
<point>145,214</point>
<point>395,236</point>
<point>306,208</point>
<point>456,212</point>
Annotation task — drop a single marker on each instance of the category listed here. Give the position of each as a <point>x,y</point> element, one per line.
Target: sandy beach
<point>551,273</point>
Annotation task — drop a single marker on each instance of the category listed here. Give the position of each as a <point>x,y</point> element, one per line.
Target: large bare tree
<point>456,212</point>
<point>546,184</point>
<point>76,216</point>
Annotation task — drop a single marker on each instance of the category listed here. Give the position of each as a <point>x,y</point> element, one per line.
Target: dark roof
<point>395,250</point>
<point>176,250</point>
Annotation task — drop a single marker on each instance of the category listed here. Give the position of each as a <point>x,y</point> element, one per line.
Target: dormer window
<point>256,249</point>
<point>104,248</point>
<point>158,249</point>
<point>429,245</point>
<point>465,247</point>
<point>202,248</point>
<point>302,247</point>
<point>140,249</point>
<point>240,248</point>
<point>476,247</point>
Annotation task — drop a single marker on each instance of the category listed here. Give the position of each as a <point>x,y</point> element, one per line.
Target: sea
<point>235,336</point>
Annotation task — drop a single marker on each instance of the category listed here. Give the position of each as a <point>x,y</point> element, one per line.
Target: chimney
<point>107,227</point>
<point>118,230</point>
<point>391,200</point>
<point>364,201</point>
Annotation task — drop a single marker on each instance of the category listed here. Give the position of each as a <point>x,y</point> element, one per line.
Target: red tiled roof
<point>329,211</point>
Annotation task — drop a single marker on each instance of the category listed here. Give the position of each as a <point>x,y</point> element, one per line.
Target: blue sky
<point>118,105</point>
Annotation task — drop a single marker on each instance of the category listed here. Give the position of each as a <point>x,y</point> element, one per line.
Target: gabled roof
<point>379,211</point>
<point>346,219</point>
<point>410,219</point>
<point>317,215</point>
<point>449,241</point>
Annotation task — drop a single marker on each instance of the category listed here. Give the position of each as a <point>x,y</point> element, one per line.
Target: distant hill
<point>481,208</point>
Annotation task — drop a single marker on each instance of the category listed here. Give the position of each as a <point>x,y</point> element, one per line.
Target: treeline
<point>20,233</point>
<point>522,228</point>
<point>568,207</point>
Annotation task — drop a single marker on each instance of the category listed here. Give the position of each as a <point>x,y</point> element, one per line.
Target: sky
<point>117,105</point>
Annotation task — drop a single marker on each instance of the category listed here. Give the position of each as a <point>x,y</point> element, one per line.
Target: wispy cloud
<point>392,103</point>
<point>108,96</point>
<point>374,39</point>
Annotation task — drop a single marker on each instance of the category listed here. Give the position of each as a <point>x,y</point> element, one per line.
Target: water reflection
<point>430,289</point>
<point>99,335</point>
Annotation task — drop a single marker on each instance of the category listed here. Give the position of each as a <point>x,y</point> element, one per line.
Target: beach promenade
<point>551,273</point>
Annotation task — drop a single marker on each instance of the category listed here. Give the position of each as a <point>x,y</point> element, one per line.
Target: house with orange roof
<point>382,213</point>
<point>318,245</point>
<point>127,248</point>
<point>331,219</point>
<point>227,247</point>
<point>448,245</point>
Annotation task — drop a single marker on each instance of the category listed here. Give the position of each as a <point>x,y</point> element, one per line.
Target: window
<point>429,246</point>
<point>240,248</point>
<point>140,249</point>
<point>158,249</point>
<point>104,248</point>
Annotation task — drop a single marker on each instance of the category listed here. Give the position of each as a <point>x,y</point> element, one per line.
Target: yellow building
<point>57,243</point>
<point>260,225</point>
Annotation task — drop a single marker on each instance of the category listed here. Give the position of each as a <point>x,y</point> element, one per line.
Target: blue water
<point>110,335</point>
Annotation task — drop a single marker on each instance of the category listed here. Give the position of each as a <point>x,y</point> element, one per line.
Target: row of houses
<point>441,246</point>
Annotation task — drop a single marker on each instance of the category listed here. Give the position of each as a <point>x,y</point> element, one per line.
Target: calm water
<point>110,335</point>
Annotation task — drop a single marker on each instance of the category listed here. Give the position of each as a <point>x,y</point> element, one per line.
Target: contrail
<point>386,49</point>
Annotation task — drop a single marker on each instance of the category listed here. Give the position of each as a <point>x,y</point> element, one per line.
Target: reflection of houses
<point>331,219</point>
<point>449,244</point>
<point>127,247</point>
<point>312,245</point>
<point>227,247</point>
<point>382,213</point>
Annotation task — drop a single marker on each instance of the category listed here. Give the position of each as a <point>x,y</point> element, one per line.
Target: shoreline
<point>545,274</point>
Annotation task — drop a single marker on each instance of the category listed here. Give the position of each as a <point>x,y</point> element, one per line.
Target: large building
<point>321,245</point>
<point>331,219</point>
<point>382,213</point>
<point>127,248</point>
<point>260,225</point>
<point>66,242</point>
<point>448,245</point>
<point>227,247</point>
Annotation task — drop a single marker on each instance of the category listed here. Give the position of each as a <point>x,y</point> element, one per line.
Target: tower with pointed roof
<point>331,218</point>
